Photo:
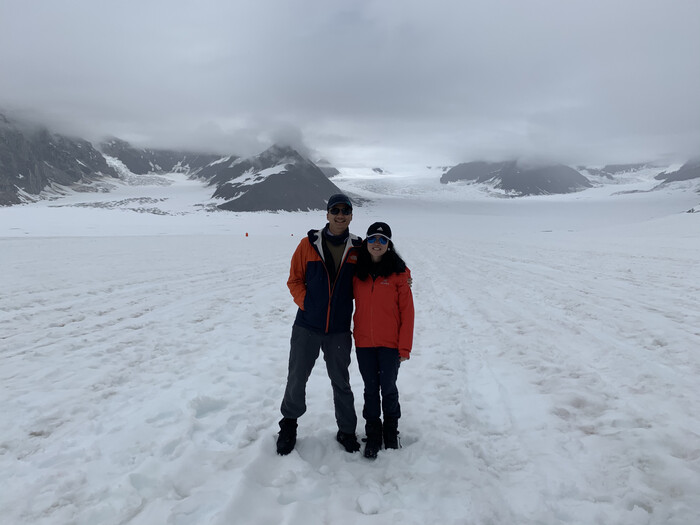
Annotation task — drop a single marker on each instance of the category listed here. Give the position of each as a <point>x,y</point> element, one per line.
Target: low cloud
<point>371,81</point>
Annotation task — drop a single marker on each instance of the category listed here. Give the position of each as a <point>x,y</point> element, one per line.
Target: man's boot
<point>287,436</point>
<point>373,443</point>
<point>391,432</point>
<point>349,441</point>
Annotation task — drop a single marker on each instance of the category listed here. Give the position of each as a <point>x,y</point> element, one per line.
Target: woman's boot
<point>391,432</point>
<point>373,442</point>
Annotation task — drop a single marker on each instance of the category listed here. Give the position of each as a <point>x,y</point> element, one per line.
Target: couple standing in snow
<point>329,268</point>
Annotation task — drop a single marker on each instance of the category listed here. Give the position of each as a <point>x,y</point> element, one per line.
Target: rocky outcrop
<point>33,159</point>
<point>473,171</point>
<point>327,169</point>
<point>520,179</point>
<point>609,171</point>
<point>690,170</point>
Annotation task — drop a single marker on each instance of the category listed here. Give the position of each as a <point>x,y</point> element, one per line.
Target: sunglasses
<point>382,240</point>
<point>344,211</point>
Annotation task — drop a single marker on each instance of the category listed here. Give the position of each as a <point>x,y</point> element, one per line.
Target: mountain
<point>142,161</point>
<point>277,179</point>
<point>520,179</point>
<point>689,170</point>
<point>33,159</point>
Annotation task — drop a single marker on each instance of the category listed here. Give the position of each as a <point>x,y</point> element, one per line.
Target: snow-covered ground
<point>554,378</point>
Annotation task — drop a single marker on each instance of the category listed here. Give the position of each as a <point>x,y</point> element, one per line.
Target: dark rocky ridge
<point>690,170</point>
<point>520,180</point>
<point>32,159</point>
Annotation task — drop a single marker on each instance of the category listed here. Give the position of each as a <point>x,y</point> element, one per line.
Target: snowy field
<point>554,378</point>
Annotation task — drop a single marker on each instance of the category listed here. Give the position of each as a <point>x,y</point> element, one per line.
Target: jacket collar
<point>316,240</point>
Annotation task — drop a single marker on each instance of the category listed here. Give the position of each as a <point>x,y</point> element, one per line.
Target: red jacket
<point>384,312</point>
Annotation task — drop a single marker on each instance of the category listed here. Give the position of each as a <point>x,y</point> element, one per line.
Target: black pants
<point>379,368</point>
<point>305,346</point>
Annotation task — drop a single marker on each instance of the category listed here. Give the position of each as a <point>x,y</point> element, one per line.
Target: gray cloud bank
<point>364,81</point>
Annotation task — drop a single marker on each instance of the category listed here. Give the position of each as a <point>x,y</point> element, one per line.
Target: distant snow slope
<point>554,376</point>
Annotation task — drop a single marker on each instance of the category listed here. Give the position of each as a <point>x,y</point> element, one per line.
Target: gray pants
<point>305,346</point>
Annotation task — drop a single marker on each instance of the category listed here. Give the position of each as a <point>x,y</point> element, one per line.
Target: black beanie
<point>379,228</point>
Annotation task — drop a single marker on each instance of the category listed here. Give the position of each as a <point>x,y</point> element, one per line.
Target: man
<point>320,280</point>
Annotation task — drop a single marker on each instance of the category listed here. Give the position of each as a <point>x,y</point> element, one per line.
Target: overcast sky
<point>374,82</point>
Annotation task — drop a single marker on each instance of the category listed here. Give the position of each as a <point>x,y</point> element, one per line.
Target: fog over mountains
<point>35,161</point>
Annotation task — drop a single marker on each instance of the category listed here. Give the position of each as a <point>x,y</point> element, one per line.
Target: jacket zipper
<point>331,288</point>
<point>330,297</point>
<point>371,312</point>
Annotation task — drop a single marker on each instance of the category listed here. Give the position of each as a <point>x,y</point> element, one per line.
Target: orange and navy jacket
<point>323,306</point>
<point>384,312</point>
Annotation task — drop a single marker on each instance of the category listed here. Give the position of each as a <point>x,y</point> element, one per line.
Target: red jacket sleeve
<point>297,274</point>
<point>407,314</point>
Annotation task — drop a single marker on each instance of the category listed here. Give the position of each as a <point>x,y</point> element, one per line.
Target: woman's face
<point>377,246</point>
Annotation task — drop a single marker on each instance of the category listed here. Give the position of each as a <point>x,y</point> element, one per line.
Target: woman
<point>383,332</point>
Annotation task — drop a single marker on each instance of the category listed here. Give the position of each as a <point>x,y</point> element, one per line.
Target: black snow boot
<point>391,432</point>
<point>373,443</point>
<point>349,441</point>
<point>287,436</point>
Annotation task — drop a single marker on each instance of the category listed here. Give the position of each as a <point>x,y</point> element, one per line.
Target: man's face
<point>339,217</point>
